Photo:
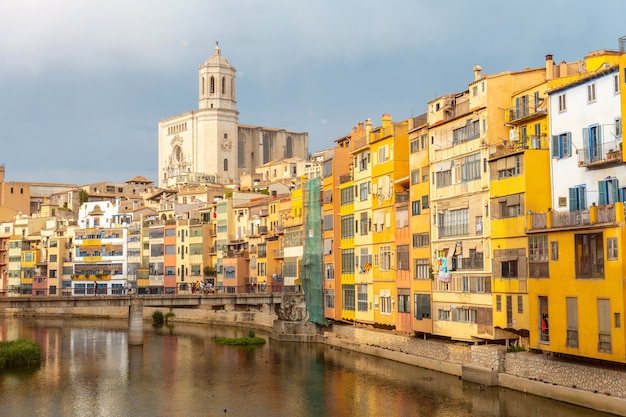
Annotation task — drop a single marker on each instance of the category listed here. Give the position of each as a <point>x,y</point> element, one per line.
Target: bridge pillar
<point>135,322</point>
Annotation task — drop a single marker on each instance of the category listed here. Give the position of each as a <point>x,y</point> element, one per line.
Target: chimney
<point>549,67</point>
<point>477,70</point>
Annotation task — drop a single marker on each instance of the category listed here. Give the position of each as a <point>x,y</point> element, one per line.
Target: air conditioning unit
<point>513,136</point>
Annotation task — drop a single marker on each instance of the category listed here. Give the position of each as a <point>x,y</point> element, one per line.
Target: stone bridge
<point>287,307</point>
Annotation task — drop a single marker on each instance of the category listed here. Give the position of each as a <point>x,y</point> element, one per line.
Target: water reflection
<point>89,370</point>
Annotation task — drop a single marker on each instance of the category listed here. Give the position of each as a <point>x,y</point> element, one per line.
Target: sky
<point>83,84</point>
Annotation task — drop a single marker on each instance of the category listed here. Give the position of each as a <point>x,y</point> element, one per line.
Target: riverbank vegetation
<point>251,340</point>
<point>19,354</point>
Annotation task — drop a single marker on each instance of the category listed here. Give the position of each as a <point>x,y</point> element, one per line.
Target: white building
<point>210,140</point>
<point>586,141</point>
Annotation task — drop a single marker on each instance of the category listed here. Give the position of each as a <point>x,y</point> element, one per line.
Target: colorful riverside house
<point>577,288</point>
<point>336,162</point>
<point>346,246</point>
<point>294,241</point>
<point>99,250</point>
<point>360,221</point>
<point>518,168</point>
<point>421,268</point>
<point>273,248</point>
<point>171,234</point>
<point>389,146</point>
<point>462,127</point>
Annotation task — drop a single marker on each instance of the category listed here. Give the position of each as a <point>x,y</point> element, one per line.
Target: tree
<point>83,196</point>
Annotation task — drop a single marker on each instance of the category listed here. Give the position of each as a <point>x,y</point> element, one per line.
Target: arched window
<point>203,86</point>
<point>225,135</point>
<point>212,85</point>
<point>225,164</point>
<point>223,85</point>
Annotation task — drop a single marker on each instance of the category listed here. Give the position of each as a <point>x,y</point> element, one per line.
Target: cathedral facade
<point>210,143</point>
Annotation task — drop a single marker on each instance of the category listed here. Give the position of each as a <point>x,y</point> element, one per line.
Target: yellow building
<point>462,127</point>
<point>389,147</point>
<point>346,246</point>
<point>360,220</point>
<point>421,268</point>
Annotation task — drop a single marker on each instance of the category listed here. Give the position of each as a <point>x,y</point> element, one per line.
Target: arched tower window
<point>225,135</point>
<point>289,147</point>
<point>232,88</point>
<point>225,164</point>
<point>203,86</point>
<point>223,85</point>
<point>212,85</point>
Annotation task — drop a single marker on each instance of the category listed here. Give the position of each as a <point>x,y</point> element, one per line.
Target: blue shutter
<point>586,145</point>
<point>582,197</point>
<point>614,190</point>
<point>573,203</point>
<point>555,146</point>
<point>567,145</point>
<point>602,189</point>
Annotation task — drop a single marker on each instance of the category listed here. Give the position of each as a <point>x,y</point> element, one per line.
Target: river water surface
<point>88,369</point>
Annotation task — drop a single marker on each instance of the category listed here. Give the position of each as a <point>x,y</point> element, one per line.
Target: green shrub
<point>158,318</point>
<point>19,353</point>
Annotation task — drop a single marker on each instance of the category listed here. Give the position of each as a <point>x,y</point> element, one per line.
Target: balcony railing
<point>600,153</point>
<point>402,197</point>
<point>590,269</point>
<point>538,269</point>
<point>263,230</point>
<point>345,178</point>
<point>526,109</point>
<point>279,254</point>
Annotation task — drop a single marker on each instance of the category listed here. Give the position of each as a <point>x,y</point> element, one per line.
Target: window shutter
<point>555,146</point>
<point>585,137</point>
<point>572,199</point>
<point>602,188</point>
<point>614,190</point>
<point>567,146</point>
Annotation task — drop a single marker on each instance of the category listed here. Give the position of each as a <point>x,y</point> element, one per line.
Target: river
<point>88,369</point>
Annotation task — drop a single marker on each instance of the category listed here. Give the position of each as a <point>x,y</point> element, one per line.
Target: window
<point>347,261</point>
<point>329,271</point>
<point>329,298</point>
<point>554,249</point>
<point>347,226</point>
<point>362,297</point>
<point>562,103</point>
<point>604,325</point>
<point>591,92</point>
<point>347,195</point>
<point>453,222</point>
<point>443,178</point>
<point>383,154</point>
<point>520,304</point>
<point>577,198</point>
<point>589,255</point>
<point>464,315</point>
<point>443,315</point>
<point>415,145</point>
<point>465,287</point>
<point>403,257</point>
<point>421,306</point>
<point>538,256</point>
<point>53,258</point>
<point>416,208</point>
<point>365,225</point>
<point>415,176</point>
<point>170,271</point>
<point>421,240</point>
<point>170,249</point>
<point>425,174</point>
<point>385,258</point>
<point>611,249</point>
<point>364,190</point>
<point>616,317</point>
<point>470,168</point>
<point>470,131</point>
<point>480,284</point>
<point>424,202</point>
<point>618,127</point>
<point>571,307</point>
<point>561,145</point>
<point>328,222</point>
<point>509,269</point>
<point>348,297</point>
<point>385,302</point>
<point>592,144</point>
<point>608,191</point>
<point>404,303</point>
<point>225,164</point>
<point>498,302</point>
<point>616,83</point>
<point>421,268</point>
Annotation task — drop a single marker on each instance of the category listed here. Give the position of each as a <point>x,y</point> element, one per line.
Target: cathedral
<point>209,142</point>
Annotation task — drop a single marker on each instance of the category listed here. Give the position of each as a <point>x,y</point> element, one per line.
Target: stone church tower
<point>209,144</point>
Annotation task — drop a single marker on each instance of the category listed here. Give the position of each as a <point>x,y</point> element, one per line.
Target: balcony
<point>602,153</point>
<point>528,109</point>
<point>402,197</point>
<point>590,269</point>
<point>595,215</point>
<point>279,254</point>
<point>345,178</point>
<point>262,230</point>
<point>263,212</point>
<point>519,144</point>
